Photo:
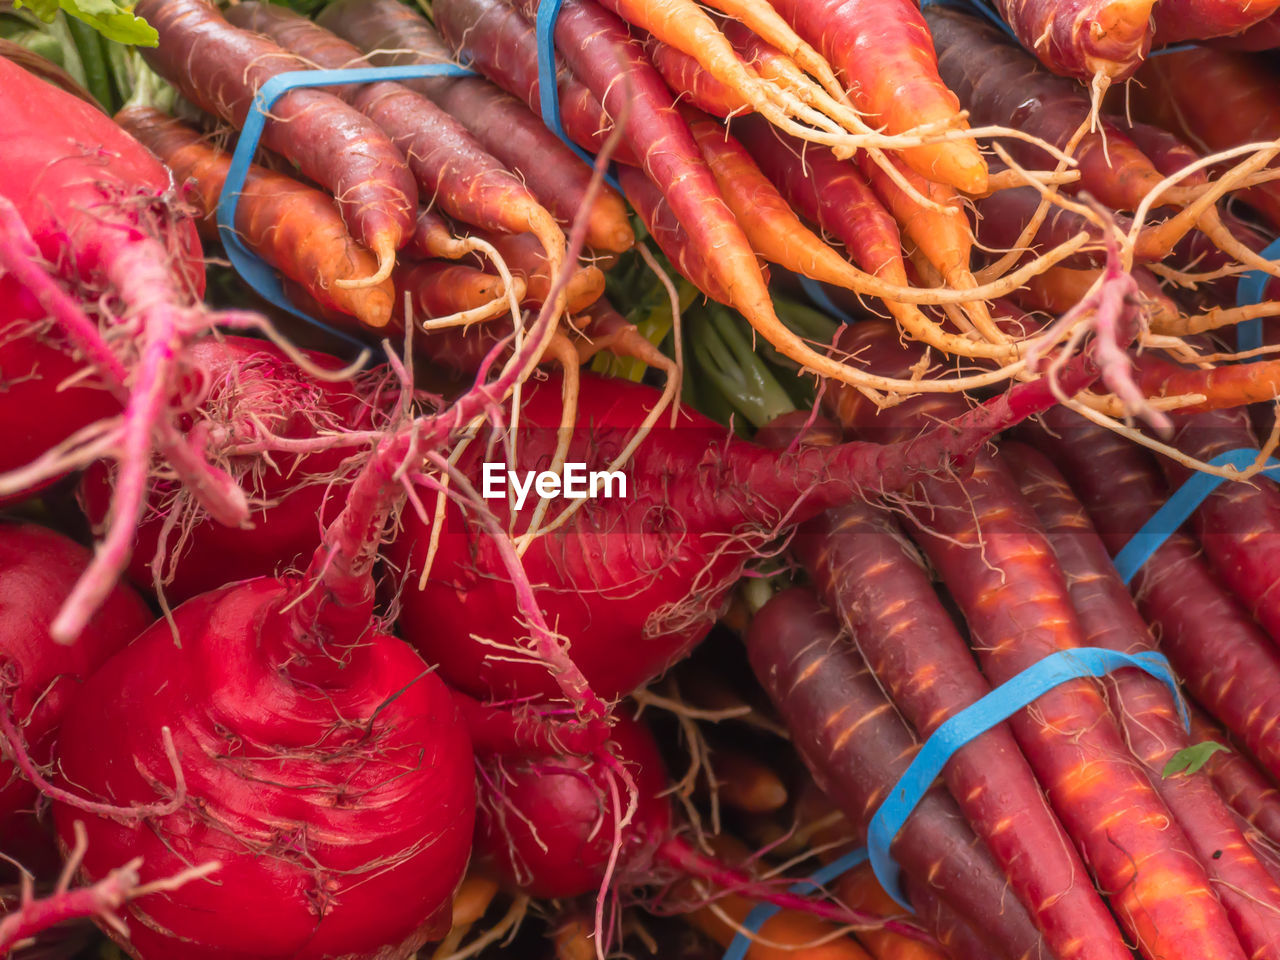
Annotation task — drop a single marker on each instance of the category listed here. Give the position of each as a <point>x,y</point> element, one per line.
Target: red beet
<point>251,387</point>
<point>38,677</point>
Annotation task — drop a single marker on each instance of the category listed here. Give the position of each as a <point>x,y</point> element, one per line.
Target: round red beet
<point>338,797</point>
<point>251,386</point>
<point>39,678</point>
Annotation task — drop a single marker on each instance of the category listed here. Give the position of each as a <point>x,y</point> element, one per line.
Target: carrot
<point>1003,215</point>
<point>985,542</point>
<point>440,288</point>
<point>1225,659</point>
<point>942,235</point>
<point>220,68</point>
<point>1086,40</point>
<point>1180,20</point>
<point>597,47</point>
<point>855,745</point>
<point>1145,707</point>
<point>884,56</point>
<point>831,193</point>
<point>1239,523</point>
<point>795,934</point>
<point>293,227</point>
<point>661,223</point>
<point>450,166</point>
<point>501,44</point>
<point>688,78</point>
<point>433,237</point>
<point>1261,36</point>
<point>862,891</point>
<point>503,125</point>
<point>1238,779</point>
<point>1001,83</point>
<point>1226,386</point>
<point>874,582</point>
<point>746,783</point>
<point>1217,100</point>
<point>777,234</point>
<point>525,259</point>
<point>1058,289</point>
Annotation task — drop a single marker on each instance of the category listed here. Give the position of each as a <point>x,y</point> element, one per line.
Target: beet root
<point>340,808</point>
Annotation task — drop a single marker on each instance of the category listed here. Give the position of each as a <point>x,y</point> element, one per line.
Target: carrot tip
<point>386,253</point>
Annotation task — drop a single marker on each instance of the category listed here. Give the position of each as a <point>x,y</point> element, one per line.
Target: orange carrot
<point>439,288</point>
<point>795,934</point>
<point>861,890</point>
<point>526,259</point>
<point>295,228</point>
<point>885,54</point>
<point>745,782</point>
<point>780,237</point>
<point>1231,385</point>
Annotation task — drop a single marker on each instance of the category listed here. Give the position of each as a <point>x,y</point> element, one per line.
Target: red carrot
<point>450,166</point>
<point>293,227</point>
<point>861,565</point>
<point>1238,779</point>
<point>1145,707</point>
<point>1001,83</point>
<point>500,43</point>
<point>220,68</point>
<point>884,54</point>
<point>1085,40</point>
<point>1228,664</point>
<point>1215,99</point>
<point>855,745</point>
<point>1261,36</point>
<point>503,125</point>
<point>688,78</point>
<point>1239,523</point>
<point>984,541</point>
<point>1180,20</point>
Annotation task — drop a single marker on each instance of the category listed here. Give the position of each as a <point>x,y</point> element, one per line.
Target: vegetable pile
<point>568,487</point>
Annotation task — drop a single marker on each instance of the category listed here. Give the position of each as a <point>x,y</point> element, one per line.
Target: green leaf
<point>113,20</point>
<point>1192,758</point>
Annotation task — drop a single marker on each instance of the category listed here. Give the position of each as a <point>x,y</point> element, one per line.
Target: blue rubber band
<point>970,723</point>
<point>981,716</point>
<point>253,269</point>
<point>549,83</point>
<point>1250,289</point>
<point>763,911</point>
<point>1180,506</point>
<point>818,295</point>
